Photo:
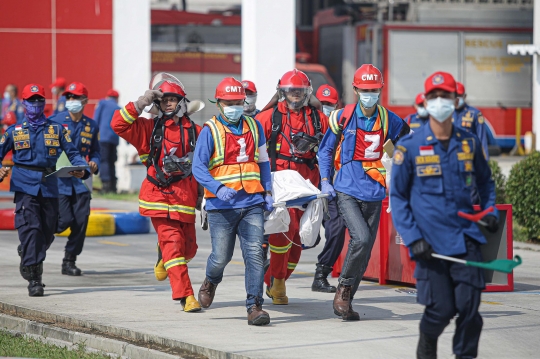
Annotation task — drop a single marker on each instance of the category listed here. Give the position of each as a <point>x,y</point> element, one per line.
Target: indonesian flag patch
<point>426,151</point>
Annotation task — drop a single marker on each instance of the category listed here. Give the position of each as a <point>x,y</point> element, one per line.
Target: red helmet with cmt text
<point>295,87</point>
<point>230,89</point>
<point>368,77</point>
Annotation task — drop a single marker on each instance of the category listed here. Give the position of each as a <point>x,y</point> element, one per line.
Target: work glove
<point>327,188</point>
<point>492,223</point>
<point>421,250</point>
<point>268,203</point>
<point>147,99</point>
<point>225,193</point>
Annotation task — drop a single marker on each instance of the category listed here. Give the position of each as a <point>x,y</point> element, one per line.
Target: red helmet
<point>171,89</point>
<point>327,93</point>
<point>294,78</point>
<point>249,85</point>
<point>460,89</point>
<point>230,89</point>
<point>419,100</point>
<point>368,77</point>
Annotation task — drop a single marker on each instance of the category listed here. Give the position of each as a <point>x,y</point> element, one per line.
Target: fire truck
<point>466,39</point>
<point>201,49</point>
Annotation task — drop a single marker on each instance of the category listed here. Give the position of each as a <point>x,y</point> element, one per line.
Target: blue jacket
<point>201,158</point>
<point>60,105</point>
<point>470,119</point>
<point>415,121</point>
<point>103,115</point>
<point>430,185</point>
<point>352,179</point>
<point>39,148</point>
<point>85,136</point>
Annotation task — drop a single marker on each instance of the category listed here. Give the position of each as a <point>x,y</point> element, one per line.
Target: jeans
<point>362,220</point>
<point>225,225</point>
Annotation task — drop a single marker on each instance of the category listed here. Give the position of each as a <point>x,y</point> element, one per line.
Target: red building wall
<point>45,39</point>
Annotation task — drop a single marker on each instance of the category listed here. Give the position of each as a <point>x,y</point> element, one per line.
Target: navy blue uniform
<point>74,195</point>
<point>430,184</point>
<point>108,141</point>
<point>60,105</point>
<point>35,152</point>
<point>471,119</point>
<point>415,121</point>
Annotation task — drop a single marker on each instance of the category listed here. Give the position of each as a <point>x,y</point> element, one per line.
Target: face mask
<point>440,108</point>
<point>7,96</point>
<point>33,110</point>
<point>249,105</point>
<point>461,102</point>
<point>54,90</point>
<point>368,99</point>
<point>422,112</point>
<point>327,109</point>
<point>74,106</point>
<point>233,113</point>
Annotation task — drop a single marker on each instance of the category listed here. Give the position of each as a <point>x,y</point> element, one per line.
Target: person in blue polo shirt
<point>36,144</point>
<point>358,133</point>
<point>231,163</point>
<point>434,171</point>
<point>108,140</point>
<point>74,199</point>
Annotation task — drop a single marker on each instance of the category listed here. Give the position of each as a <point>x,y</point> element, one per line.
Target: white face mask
<point>461,102</point>
<point>440,109</point>
<point>368,99</point>
<point>422,112</point>
<point>7,96</point>
<point>249,105</point>
<point>327,109</point>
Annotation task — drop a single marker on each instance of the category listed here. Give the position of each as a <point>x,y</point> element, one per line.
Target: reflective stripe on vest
<point>238,170</point>
<point>375,168</point>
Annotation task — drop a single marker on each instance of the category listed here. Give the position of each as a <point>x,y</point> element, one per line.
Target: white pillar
<point>131,72</point>
<point>536,75</point>
<point>268,43</point>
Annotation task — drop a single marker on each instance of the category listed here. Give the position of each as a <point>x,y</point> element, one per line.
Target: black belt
<point>45,170</point>
<point>311,162</point>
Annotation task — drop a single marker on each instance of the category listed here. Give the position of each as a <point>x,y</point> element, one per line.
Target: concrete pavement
<point>118,291</point>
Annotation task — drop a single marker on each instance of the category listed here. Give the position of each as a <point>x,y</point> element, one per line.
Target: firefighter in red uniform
<point>169,193</point>
<point>293,130</point>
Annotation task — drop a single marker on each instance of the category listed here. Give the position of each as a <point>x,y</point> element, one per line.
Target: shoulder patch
<point>480,118</point>
<point>398,157</point>
<point>401,148</point>
<point>3,139</point>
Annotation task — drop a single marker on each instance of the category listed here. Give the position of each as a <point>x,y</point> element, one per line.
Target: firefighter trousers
<point>285,249</point>
<point>178,244</point>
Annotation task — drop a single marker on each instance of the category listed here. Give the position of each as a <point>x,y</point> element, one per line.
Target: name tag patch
<point>21,135</point>
<point>430,170</point>
<point>462,156</point>
<point>86,134</point>
<point>423,160</point>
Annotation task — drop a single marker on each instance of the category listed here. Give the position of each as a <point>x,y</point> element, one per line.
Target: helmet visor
<point>162,77</point>
<point>296,97</point>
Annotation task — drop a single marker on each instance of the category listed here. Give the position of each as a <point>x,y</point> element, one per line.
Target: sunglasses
<point>36,100</point>
<point>70,96</point>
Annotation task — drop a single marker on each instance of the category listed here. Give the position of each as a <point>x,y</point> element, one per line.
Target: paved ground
<point>118,289</point>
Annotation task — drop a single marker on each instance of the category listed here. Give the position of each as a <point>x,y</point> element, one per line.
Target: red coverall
<point>171,209</point>
<point>284,254</point>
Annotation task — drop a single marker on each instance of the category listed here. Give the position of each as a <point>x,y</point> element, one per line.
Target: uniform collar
<point>360,115</point>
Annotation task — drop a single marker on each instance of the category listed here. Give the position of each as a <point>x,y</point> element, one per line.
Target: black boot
<point>427,347</point>
<point>320,283</point>
<point>33,275</point>
<point>68,265</point>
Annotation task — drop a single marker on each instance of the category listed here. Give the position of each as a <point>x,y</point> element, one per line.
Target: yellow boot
<point>190,304</point>
<point>278,292</point>
<point>159,269</point>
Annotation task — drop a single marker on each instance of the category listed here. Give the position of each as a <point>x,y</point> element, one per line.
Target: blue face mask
<point>74,106</point>
<point>461,102</point>
<point>440,109</point>
<point>422,112</point>
<point>327,109</point>
<point>233,113</point>
<point>368,99</point>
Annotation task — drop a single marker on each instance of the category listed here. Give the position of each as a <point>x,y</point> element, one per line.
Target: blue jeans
<point>248,224</point>
<point>362,220</point>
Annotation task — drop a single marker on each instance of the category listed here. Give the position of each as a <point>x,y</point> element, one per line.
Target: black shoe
<point>320,283</point>
<point>68,265</point>
<point>427,347</point>
<point>35,288</point>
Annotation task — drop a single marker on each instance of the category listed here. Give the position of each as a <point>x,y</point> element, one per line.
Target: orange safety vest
<point>368,145</point>
<point>234,161</point>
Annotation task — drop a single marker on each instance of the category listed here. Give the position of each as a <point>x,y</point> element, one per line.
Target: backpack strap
<point>338,121</point>
<point>315,120</point>
<point>277,123</point>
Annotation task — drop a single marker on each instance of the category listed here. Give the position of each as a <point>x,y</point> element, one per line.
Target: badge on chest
<point>21,138</point>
